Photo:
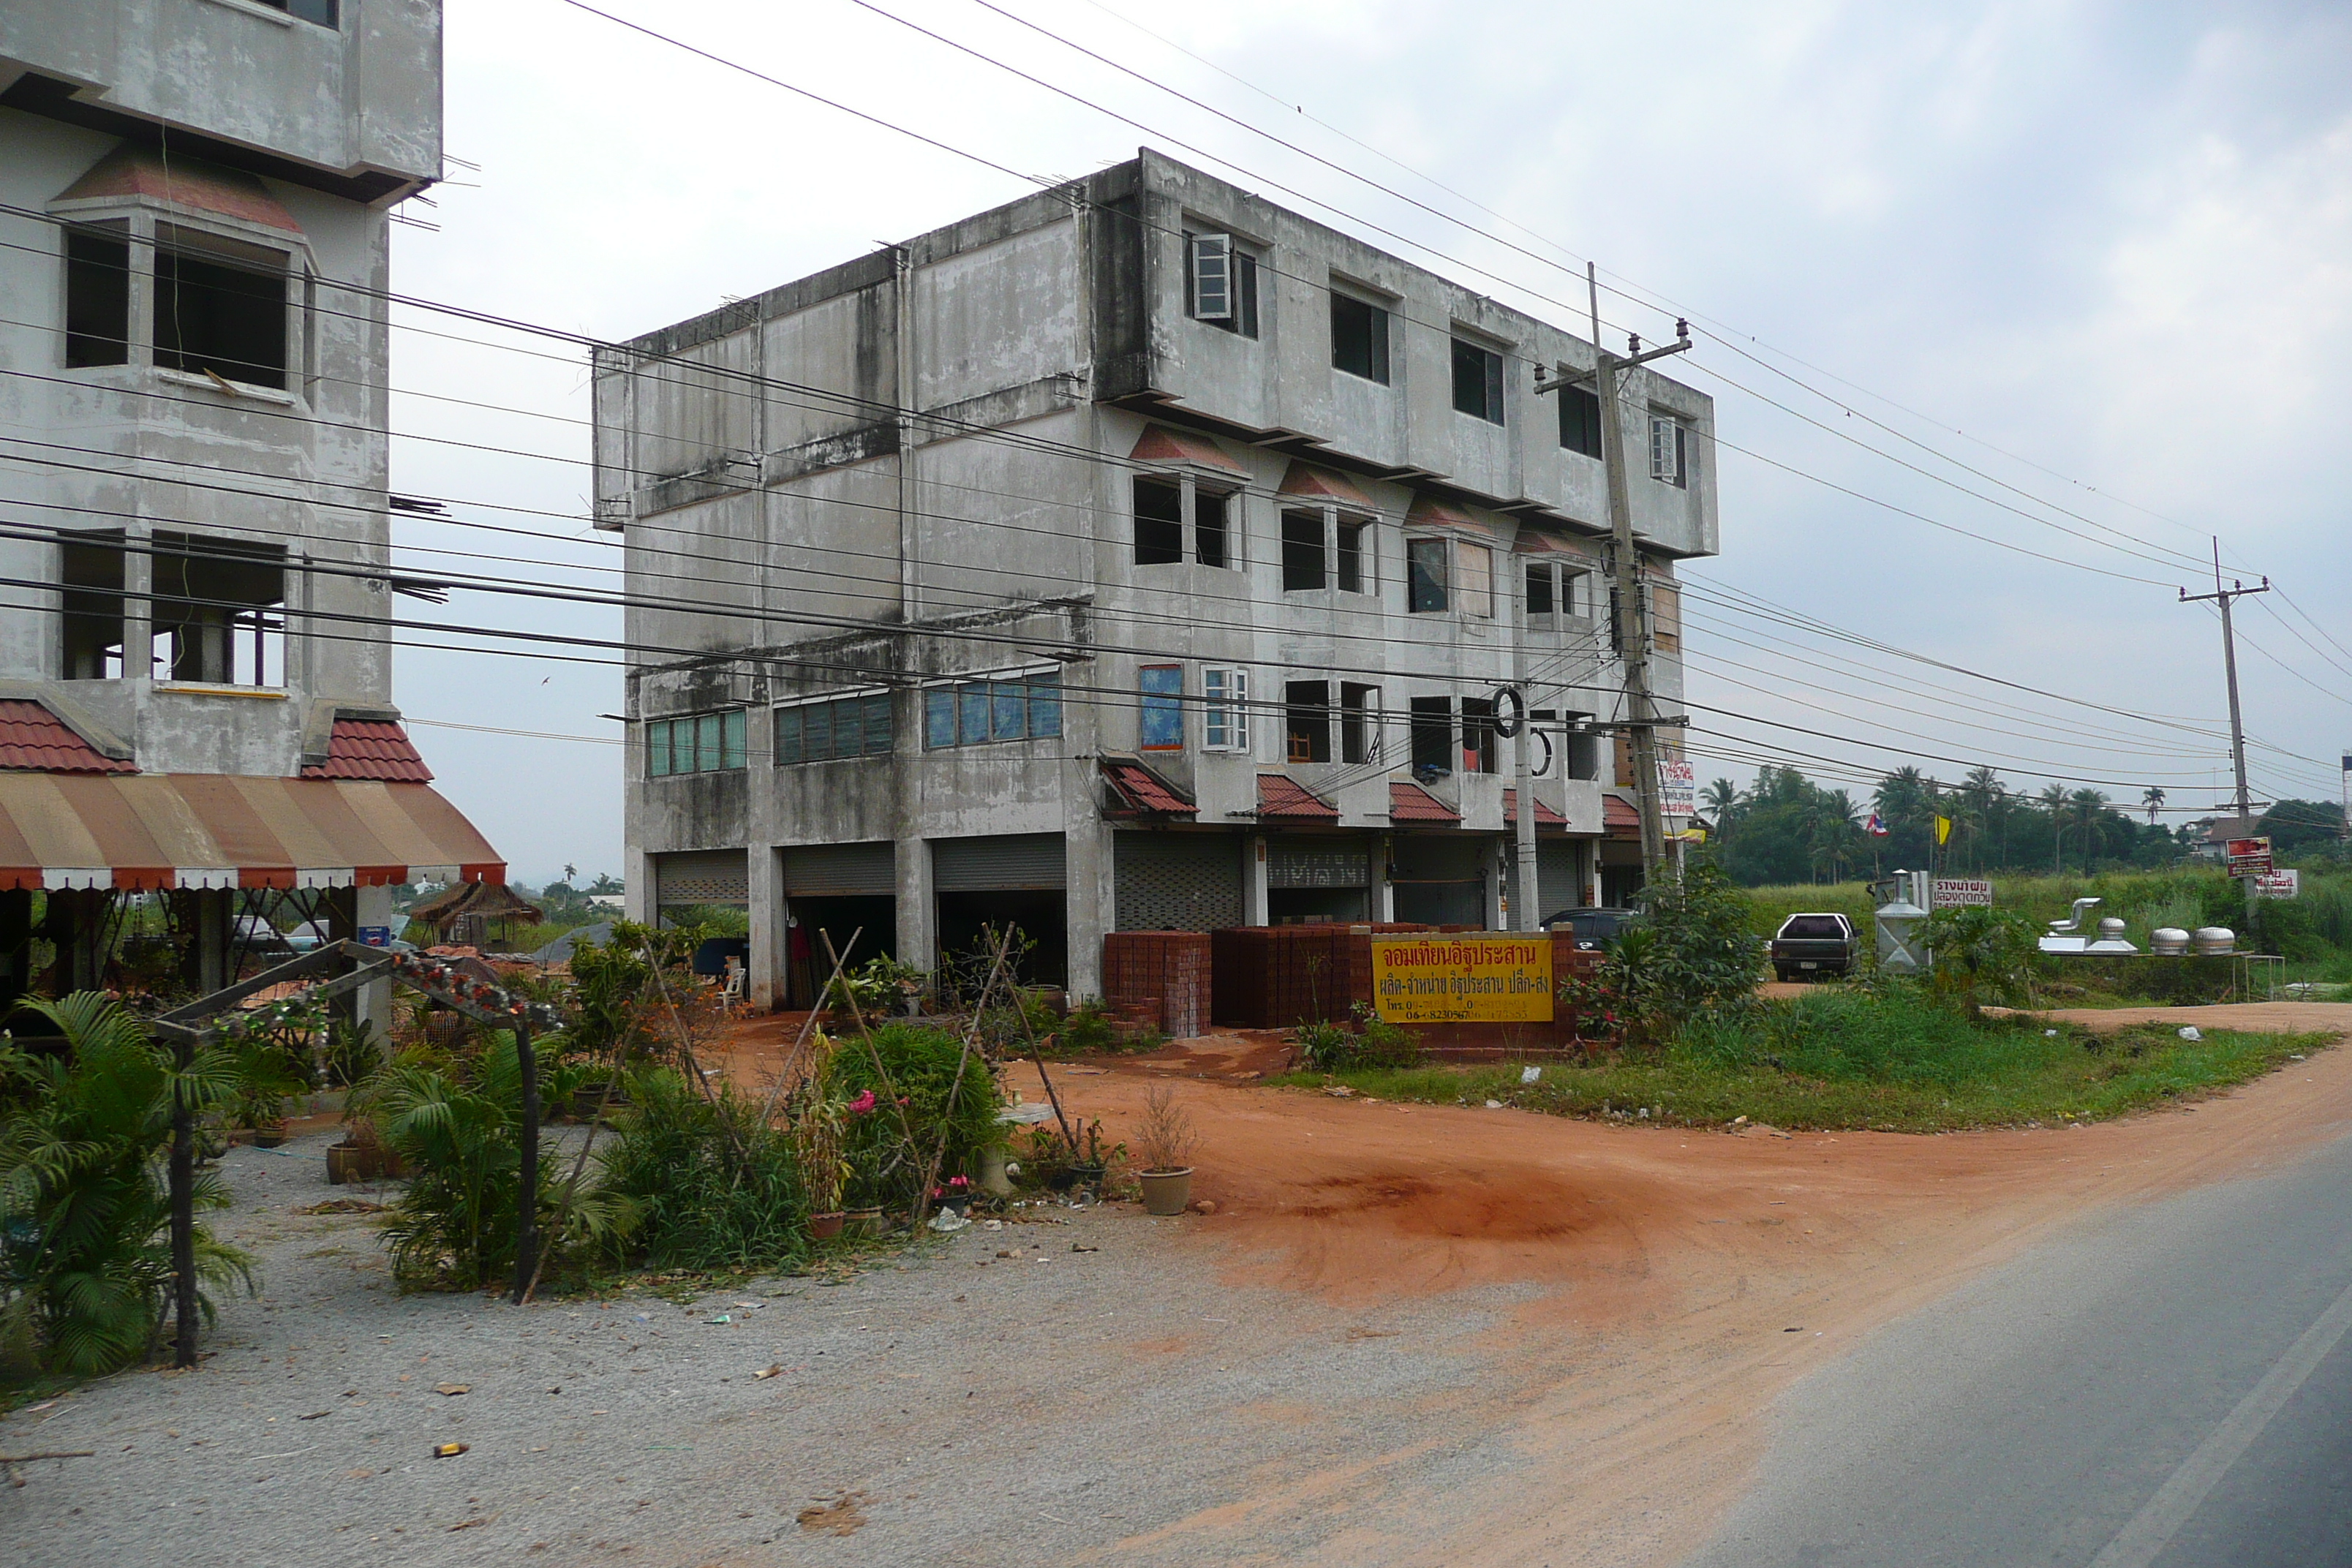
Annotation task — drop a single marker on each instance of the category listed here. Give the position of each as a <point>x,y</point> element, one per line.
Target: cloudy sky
<point>2074,279</point>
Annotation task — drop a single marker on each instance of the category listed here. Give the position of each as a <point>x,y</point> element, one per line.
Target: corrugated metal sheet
<point>212,830</point>
<point>1013,860</point>
<point>702,877</point>
<point>1318,863</point>
<point>31,737</point>
<point>371,749</point>
<point>842,871</point>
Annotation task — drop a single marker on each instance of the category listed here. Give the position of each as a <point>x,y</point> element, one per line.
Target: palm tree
<point>1836,830</point>
<point>1982,789</point>
<point>2088,805</point>
<point>2152,797</point>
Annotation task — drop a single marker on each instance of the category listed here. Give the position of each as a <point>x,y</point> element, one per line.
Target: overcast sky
<point>2100,254</point>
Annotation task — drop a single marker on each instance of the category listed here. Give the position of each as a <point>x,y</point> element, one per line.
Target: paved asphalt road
<point>2170,1389</point>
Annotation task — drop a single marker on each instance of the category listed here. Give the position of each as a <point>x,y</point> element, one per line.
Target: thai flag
<point>1875,827</point>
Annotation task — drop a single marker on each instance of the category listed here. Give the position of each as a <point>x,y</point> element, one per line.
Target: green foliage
<point>921,1064</point>
<point>459,1128</point>
<point>1371,1043</point>
<point>711,1186</point>
<point>607,984</point>
<point>1981,955</point>
<point>1693,951</point>
<point>85,1208</point>
<point>879,988</point>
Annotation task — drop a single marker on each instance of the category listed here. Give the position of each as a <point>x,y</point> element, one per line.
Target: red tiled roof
<point>1411,803</point>
<point>1284,799</point>
<point>1429,512</point>
<point>1619,819</point>
<point>1158,444</point>
<point>1545,815</point>
<point>1142,792</point>
<point>134,170</point>
<point>371,749</point>
<point>34,740</point>
<point>1322,484</point>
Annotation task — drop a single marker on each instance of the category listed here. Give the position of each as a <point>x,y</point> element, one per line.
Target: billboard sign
<point>1961,893</point>
<point>1492,977</point>
<point>1677,788</point>
<point>2279,885</point>
<point>2250,857</point>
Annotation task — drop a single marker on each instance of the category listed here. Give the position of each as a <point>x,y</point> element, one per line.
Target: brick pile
<point>1159,978</point>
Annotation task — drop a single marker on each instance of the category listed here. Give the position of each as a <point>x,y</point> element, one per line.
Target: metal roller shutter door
<point>1015,860</point>
<point>703,877</point>
<point>1322,863</point>
<point>1558,887</point>
<point>841,870</point>
<point>1177,881</point>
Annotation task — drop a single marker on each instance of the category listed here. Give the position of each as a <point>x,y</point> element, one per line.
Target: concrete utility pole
<point>2223,596</point>
<point>1629,617</point>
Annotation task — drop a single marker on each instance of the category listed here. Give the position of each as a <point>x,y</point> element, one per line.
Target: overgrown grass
<point>1839,1059</point>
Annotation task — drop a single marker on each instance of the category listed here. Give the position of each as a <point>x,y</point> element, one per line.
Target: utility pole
<point>2223,597</point>
<point>1629,618</point>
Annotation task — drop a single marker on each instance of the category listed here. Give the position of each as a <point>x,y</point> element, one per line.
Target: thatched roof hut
<point>465,912</point>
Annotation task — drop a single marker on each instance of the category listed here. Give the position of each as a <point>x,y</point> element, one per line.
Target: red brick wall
<point>1160,976</point>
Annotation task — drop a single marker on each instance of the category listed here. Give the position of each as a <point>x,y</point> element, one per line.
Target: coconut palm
<point>2152,800</point>
<point>2053,800</point>
<point>2088,806</point>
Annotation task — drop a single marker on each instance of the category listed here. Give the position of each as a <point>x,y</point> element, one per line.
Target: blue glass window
<point>1160,723</point>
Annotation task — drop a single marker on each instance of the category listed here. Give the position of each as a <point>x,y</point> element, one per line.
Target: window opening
<point>1539,590</point>
<point>976,712</point>
<point>1224,715</point>
<point>1359,338</point>
<point>1433,736</point>
<point>1478,382</point>
<point>1353,536</point>
<point>1160,723</point>
<point>1582,748</point>
<point>1158,523</point>
<point>1425,575</point>
<point>1307,718</point>
<point>844,727</point>
<point>1221,284</point>
<point>323,12</point>
<point>98,299</point>
<point>1211,546</point>
<point>90,630</point>
<point>709,742</point>
<point>217,315</point>
<point>1668,448</point>
<point>1544,759</point>
<point>220,610</point>
<point>1302,551</point>
<point>1474,577</point>
<point>1580,420</point>
<point>1480,751</point>
<point>1666,616</point>
<point>1359,722</point>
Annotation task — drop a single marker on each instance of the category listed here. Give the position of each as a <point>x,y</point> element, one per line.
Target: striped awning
<point>142,832</point>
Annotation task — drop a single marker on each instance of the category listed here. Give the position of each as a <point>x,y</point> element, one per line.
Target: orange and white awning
<point>143,832</point>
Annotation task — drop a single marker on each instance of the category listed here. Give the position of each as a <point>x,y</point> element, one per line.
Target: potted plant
<point>359,1157</point>
<point>816,1148</point>
<point>1089,1161</point>
<point>1164,1140</point>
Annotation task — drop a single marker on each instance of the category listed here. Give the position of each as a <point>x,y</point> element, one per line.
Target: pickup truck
<point>1808,947</point>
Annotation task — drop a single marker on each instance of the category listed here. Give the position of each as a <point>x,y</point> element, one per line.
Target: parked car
<point>1811,946</point>
<point>1594,928</point>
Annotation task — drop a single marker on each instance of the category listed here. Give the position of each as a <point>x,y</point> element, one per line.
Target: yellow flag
<point>1943,831</point>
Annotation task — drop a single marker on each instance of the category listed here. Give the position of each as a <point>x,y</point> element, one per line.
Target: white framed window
<point>1221,282</point>
<point>1224,709</point>
<point>1669,449</point>
<point>1554,591</point>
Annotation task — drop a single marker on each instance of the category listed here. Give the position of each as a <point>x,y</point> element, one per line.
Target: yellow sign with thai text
<point>1489,977</point>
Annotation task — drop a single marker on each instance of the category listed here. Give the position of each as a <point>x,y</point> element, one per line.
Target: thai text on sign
<point>1961,893</point>
<point>1472,978</point>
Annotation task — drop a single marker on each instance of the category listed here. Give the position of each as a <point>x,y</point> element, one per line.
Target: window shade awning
<point>146,832</point>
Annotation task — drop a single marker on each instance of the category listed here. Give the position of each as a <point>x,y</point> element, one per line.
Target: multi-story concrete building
<point>196,648</point>
<point>1137,555</point>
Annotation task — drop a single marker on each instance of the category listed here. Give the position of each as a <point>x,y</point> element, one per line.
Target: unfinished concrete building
<point>196,588</point>
<point>1139,554</point>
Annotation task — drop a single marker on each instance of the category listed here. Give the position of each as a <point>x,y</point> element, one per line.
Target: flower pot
<point>349,1162</point>
<point>269,1137</point>
<point>1166,1192</point>
<point>1080,1176</point>
<point>824,1226</point>
<point>586,1099</point>
<point>238,1137</point>
<point>861,1222</point>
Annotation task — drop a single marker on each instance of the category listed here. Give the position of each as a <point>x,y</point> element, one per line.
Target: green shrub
<point>1981,956</point>
<point>709,1184</point>
<point>921,1062</point>
<point>1372,1043</point>
<point>1693,950</point>
<point>85,1211</point>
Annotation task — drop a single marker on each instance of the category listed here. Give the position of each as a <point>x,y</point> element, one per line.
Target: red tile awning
<point>131,170</point>
<point>1619,819</point>
<point>31,737</point>
<point>1138,791</point>
<point>1281,798</point>
<point>1545,815</point>
<point>1158,444</point>
<point>1308,483</point>
<point>153,831</point>
<point>1411,803</point>
<point>369,749</point>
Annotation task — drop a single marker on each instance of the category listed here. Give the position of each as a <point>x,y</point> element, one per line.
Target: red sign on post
<point>2250,857</point>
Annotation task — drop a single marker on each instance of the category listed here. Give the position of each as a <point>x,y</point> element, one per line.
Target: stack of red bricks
<point>1160,977</point>
<point>1271,977</point>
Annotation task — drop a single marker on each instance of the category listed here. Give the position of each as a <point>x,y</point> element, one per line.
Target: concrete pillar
<point>373,1008</point>
<point>137,611</point>
<point>1497,893</point>
<point>767,978</point>
<point>918,933</point>
<point>637,874</point>
<point>1254,868</point>
<point>1091,896</point>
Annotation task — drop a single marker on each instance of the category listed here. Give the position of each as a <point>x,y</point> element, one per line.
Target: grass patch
<point>1834,1060</point>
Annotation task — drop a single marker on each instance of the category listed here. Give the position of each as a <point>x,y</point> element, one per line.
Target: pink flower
<point>862,1104</point>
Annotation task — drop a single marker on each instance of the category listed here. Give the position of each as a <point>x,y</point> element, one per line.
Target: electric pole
<point>2223,597</point>
<point>1629,618</point>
